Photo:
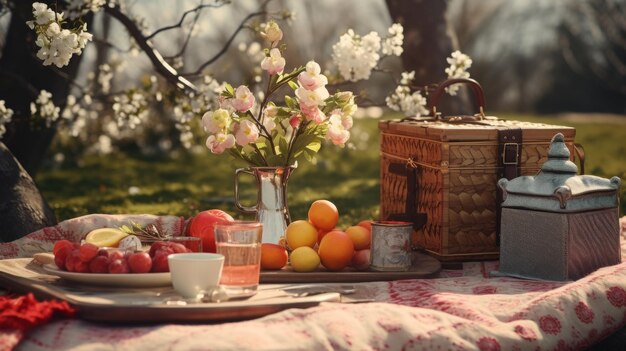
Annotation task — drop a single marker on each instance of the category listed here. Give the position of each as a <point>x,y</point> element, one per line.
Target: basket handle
<point>433,98</point>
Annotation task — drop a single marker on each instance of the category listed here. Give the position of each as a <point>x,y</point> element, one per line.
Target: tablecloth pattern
<point>466,310</point>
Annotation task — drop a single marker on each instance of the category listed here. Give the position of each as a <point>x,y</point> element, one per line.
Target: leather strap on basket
<point>408,170</point>
<point>509,151</point>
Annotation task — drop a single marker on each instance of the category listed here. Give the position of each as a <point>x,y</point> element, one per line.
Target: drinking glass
<point>240,243</point>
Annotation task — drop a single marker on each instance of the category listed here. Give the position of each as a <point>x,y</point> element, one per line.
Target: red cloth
<point>21,313</point>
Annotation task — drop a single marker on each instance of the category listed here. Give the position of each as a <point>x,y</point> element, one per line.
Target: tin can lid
<point>392,223</point>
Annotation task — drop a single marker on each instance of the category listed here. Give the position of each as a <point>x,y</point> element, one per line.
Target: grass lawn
<point>186,183</point>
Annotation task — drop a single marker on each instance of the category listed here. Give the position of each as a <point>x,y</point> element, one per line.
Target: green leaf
<point>229,88</point>
<point>274,79</point>
<point>283,146</point>
<point>275,160</point>
<point>291,102</point>
<point>293,85</point>
<point>314,146</point>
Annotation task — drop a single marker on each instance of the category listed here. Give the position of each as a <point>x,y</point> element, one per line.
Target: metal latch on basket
<point>508,157</point>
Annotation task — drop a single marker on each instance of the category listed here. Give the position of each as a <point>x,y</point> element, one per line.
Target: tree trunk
<point>428,41</point>
<point>22,76</point>
<point>23,209</point>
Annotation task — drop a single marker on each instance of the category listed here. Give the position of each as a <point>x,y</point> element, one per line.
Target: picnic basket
<point>440,172</point>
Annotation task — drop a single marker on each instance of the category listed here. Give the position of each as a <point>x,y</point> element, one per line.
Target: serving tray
<point>145,305</point>
<point>423,266</point>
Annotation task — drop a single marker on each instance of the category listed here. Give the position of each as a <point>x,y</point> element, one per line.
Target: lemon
<point>304,259</point>
<point>105,237</point>
<point>301,233</point>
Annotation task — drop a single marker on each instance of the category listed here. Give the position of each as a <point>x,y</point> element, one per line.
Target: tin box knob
<point>559,157</point>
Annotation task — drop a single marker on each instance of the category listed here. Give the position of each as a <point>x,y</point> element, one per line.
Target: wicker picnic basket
<point>441,173</point>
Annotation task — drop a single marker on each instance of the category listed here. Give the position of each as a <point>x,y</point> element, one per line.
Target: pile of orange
<point>319,241</point>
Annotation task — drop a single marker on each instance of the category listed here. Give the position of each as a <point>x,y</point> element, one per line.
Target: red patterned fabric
<point>20,314</point>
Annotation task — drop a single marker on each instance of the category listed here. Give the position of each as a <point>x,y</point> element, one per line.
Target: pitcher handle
<point>240,207</point>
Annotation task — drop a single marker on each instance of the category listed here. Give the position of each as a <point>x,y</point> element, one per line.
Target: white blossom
<point>459,64</point>
<point>75,114</point>
<point>57,45</point>
<point>272,32</point>
<point>392,45</point>
<point>78,8</point>
<point>104,145</point>
<point>412,104</point>
<point>5,117</point>
<point>356,56</point>
<point>407,78</point>
<point>130,109</point>
<point>105,75</point>
<point>44,108</point>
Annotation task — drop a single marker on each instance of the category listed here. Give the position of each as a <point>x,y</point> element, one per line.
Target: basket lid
<point>557,183</point>
<point>456,128</point>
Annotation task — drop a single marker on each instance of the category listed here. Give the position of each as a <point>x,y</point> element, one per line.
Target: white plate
<point>135,280</point>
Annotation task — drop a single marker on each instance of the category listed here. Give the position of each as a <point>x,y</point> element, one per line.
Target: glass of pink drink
<point>240,243</point>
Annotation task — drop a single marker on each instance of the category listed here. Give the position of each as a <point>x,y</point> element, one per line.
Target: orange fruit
<point>323,214</point>
<point>336,250</point>
<point>304,259</point>
<point>300,233</point>
<point>360,236</point>
<point>322,232</point>
<point>367,224</point>
<point>273,256</point>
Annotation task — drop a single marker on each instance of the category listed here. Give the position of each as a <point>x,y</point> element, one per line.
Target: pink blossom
<point>244,99</point>
<point>216,121</point>
<point>274,63</point>
<point>295,121</point>
<point>312,97</point>
<point>219,142</point>
<point>247,132</point>
<point>225,102</point>
<point>346,120</point>
<point>312,113</point>
<point>337,134</point>
<point>311,78</point>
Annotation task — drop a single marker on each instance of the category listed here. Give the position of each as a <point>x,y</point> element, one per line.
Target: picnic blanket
<point>464,310</point>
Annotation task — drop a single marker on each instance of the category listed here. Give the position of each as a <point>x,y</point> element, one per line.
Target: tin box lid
<point>558,188</point>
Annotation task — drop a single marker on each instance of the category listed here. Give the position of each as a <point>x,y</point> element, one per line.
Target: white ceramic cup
<point>195,271</point>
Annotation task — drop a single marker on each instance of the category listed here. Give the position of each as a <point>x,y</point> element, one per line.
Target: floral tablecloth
<point>463,310</point>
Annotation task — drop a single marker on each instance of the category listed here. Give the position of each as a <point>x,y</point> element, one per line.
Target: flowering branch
<point>230,40</point>
<point>197,9</point>
<point>161,66</point>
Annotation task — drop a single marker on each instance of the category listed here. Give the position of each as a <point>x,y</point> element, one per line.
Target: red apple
<point>202,224</point>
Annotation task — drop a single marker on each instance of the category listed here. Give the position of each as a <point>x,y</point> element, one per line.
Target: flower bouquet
<point>279,132</point>
<point>273,135</point>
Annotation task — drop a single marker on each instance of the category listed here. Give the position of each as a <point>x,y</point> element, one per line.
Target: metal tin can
<point>391,246</point>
